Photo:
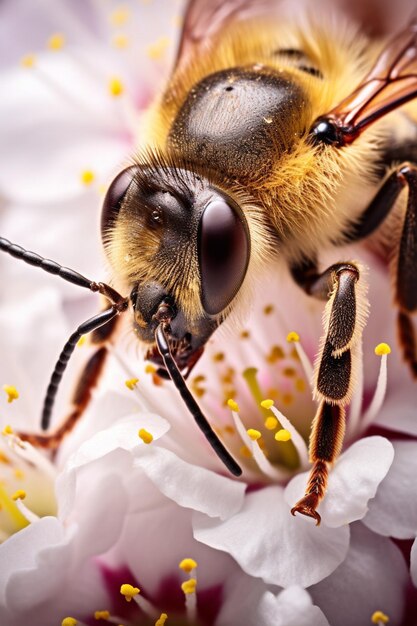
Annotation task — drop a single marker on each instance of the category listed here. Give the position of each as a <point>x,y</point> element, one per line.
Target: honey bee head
<point>173,238</point>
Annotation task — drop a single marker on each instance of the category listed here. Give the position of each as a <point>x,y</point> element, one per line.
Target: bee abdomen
<point>240,121</point>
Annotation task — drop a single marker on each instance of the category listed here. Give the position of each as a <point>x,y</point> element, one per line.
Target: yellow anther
<point>189,586</point>
<point>81,341</point>
<point>129,592</point>
<point>120,41</point>
<point>379,617</point>
<point>131,383</point>
<point>282,435</point>
<point>102,615</point>
<point>115,87</point>
<point>245,452</point>
<point>69,621</point>
<point>12,393</point>
<point>244,334</point>
<point>254,434</point>
<point>382,348</point>
<point>233,405</point>
<point>150,369</point>
<point>187,565</point>
<point>18,473</point>
<point>266,404</point>
<point>20,494</point>
<point>157,50</point>
<point>4,458</point>
<point>145,435</point>
<point>300,385</point>
<point>271,423</point>
<point>218,357</point>
<point>56,42</point>
<point>119,16</point>
<point>28,61</point>
<point>7,430</point>
<point>276,354</point>
<point>230,430</point>
<point>289,372</point>
<point>268,309</point>
<point>287,398</point>
<point>161,620</point>
<point>87,177</point>
<point>293,337</point>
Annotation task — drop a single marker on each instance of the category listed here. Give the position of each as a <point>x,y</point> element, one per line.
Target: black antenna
<point>201,421</point>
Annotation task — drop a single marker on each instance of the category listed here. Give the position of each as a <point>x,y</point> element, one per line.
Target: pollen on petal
<point>293,337</point>
<point>189,586</point>
<point>233,405</point>
<point>116,87</point>
<point>69,621</point>
<point>266,404</point>
<point>150,369</point>
<point>282,435</point>
<point>20,494</point>
<point>131,383</point>
<point>382,348</point>
<point>7,430</point>
<point>379,618</point>
<point>254,434</point>
<point>187,565</point>
<point>56,42</point>
<point>129,592</point>
<point>120,16</point>
<point>12,393</point>
<point>102,615</point>
<point>87,177</point>
<point>271,423</point>
<point>120,41</point>
<point>145,436</point>
<point>28,61</point>
<point>161,620</point>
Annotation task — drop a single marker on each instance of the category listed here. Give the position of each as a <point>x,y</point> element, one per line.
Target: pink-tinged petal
<point>352,482</point>
<point>291,607</point>
<point>268,542</point>
<point>372,578</point>
<point>191,486</point>
<point>393,511</point>
<point>399,412</point>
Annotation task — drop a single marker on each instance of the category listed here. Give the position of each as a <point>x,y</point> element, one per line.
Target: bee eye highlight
<point>223,254</point>
<point>114,198</point>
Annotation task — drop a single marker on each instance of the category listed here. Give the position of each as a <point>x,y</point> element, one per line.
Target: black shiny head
<point>326,131</point>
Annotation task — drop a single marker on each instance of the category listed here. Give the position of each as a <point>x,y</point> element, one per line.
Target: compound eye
<point>223,254</point>
<point>114,198</point>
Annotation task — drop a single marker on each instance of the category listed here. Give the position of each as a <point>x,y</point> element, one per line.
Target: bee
<point>267,142</point>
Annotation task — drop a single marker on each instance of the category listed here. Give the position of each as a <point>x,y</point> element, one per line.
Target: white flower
<point>121,506</point>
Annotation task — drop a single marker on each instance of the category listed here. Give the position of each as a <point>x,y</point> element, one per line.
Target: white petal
<point>372,578</point>
<point>352,482</point>
<point>291,607</point>
<point>268,542</point>
<point>413,562</point>
<point>393,511</point>
<point>191,486</point>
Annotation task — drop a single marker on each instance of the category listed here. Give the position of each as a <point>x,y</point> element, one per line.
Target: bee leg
<point>404,176</point>
<point>344,319</point>
<point>87,381</point>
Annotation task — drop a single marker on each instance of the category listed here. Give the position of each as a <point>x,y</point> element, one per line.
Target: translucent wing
<point>391,83</point>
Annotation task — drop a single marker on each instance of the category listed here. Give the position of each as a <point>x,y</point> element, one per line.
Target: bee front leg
<point>344,318</point>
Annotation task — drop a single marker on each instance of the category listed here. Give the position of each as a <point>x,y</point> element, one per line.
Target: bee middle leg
<point>344,319</point>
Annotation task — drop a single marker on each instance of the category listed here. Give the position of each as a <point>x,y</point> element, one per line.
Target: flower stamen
<point>299,443</point>
<point>379,618</point>
<point>294,338</point>
<point>382,350</point>
<point>133,593</point>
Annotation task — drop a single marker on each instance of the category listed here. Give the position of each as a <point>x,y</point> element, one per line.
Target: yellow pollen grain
<point>289,372</point>
<point>69,621</point>
<point>18,473</point>
<point>266,404</point>
<point>120,41</point>
<point>20,494</point>
<point>12,393</point>
<point>245,334</point>
<point>131,383</point>
<point>81,341</point>
<point>150,369</point>
<point>187,565</point>
<point>233,405</point>
<point>189,586</point>
<point>161,620</point>
<point>378,617</point>
<point>129,592</point>
<point>293,337</point>
<point>28,61</point>
<point>268,309</point>
<point>87,177</point>
<point>382,348</point>
<point>145,436</point>
<point>275,354</point>
<point>230,430</point>
<point>271,423</point>
<point>245,452</point>
<point>102,615</point>
<point>120,16</point>
<point>115,86</point>
<point>7,430</point>
<point>287,399</point>
<point>4,458</point>
<point>300,385</point>
<point>283,435</point>
<point>218,357</point>
<point>254,434</point>
<point>157,50</point>
<point>56,42</point>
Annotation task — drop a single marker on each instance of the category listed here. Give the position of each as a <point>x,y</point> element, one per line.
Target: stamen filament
<point>305,361</point>
<point>26,512</point>
<point>299,443</point>
<point>379,395</point>
<point>10,507</point>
